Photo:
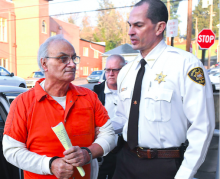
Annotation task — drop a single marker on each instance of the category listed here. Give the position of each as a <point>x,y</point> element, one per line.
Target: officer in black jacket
<point>107,93</point>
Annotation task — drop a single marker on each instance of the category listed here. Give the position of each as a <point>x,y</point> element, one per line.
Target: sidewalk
<point>80,81</point>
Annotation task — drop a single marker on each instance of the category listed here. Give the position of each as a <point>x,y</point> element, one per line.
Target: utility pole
<point>196,37</point>
<point>210,27</point>
<point>218,50</point>
<point>168,8</point>
<point>189,26</point>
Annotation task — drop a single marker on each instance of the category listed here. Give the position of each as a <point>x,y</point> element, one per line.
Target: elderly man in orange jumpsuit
<point>29,142</point>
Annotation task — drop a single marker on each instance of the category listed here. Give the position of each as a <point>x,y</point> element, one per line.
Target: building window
<point>85,70</point>
<point>53,34</point>
<point>96,69</point>
<point>85,51</point>
<point>4,63</point>
<point>3,30</point>
<point>44,27</point>
<point>96,54</point>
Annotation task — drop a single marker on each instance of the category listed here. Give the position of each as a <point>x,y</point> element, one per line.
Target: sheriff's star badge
<point>160,77</point>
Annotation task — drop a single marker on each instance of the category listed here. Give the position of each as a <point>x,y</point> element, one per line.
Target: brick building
<point>25,25</point>
<point>91,57</point>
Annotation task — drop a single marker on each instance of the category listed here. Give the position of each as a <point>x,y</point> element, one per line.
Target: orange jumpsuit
<point>33,113</point>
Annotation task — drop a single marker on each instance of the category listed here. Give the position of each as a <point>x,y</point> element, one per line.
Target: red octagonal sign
<point>206,38</point>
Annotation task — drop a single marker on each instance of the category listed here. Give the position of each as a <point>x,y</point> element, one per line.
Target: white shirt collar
<point>154,54</point>
<point>107,90</point>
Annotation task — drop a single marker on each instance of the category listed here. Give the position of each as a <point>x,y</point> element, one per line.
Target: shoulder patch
<point>197,75</point>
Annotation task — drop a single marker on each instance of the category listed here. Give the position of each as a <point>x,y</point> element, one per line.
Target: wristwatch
<point>90,153</point>
<point>51,160</point>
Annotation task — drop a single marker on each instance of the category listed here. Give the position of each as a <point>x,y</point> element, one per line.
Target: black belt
<point>149,153</point>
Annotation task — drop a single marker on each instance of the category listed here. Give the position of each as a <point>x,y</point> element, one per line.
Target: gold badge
<point>135,102</point>
<point>160,77</point>
<point>197,75</point>
<point>150,59</point>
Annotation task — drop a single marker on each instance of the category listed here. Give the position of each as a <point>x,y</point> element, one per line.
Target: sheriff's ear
<point>43,62</point>
<point>160,27</point>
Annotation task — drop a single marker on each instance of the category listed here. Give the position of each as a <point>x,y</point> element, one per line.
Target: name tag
<point>123,89</point>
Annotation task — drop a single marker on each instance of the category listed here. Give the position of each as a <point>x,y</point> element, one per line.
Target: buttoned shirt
<point>173,107</point>
<point>111,100</point>
<point>32,143</point>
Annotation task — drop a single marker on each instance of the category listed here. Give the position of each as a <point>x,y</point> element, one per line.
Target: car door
<point>6,79</point>
<point>216,80</point>
<point>8,171</point>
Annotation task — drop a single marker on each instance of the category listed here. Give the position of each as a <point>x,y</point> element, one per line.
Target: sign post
<point>172,29</point>
<point>205,39</point>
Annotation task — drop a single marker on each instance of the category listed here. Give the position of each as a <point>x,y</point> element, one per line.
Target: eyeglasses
<point>66,59</point>
<point>107,70</point>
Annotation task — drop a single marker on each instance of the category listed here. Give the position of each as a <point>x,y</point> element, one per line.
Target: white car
<point>102,78</point>
<point>95,76</point>
<point>215,79</point>
<point>35,76</point>
<point>7,78</point>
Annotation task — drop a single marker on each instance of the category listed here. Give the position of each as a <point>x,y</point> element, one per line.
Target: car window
<point>104,78</point>
<point>38,74</point>
<point>4,72</point>
<point>217,74</point>
<point>96,73</point>
<point>2,121</point>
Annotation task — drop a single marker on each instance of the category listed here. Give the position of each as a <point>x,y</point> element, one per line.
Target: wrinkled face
<point>111,76</point>
<point>142,32</point>
<point>55,69</point>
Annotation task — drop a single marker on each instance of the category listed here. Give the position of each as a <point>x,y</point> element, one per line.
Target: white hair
<point>43,49</point>
<point>116,56</point>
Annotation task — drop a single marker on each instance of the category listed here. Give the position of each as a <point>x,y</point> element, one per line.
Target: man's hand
<point>97,132</point>
<point>76,156</point>
<point>61,169</point>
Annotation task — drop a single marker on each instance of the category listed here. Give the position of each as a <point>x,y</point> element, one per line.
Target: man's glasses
<point>66,59</point>
<point>107,70</point>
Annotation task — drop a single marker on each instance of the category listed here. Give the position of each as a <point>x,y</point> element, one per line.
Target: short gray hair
<point>121,58</point>
<point>43,49</point>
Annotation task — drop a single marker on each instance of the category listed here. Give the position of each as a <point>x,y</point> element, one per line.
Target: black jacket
<point>99,90</point>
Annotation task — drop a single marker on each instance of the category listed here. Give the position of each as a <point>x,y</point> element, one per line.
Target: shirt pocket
<point>158,105</point>
<point>82,121</point>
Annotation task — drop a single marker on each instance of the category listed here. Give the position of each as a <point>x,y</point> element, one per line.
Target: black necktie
<point>132,134</point>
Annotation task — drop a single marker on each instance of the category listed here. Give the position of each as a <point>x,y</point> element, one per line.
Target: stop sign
<point>206,38</point>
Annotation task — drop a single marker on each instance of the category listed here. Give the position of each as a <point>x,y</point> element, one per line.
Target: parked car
<point>7,95</point>
<point>7,78</point>
<point>215,80</point>
<point>102,78</point>
<point>95,76</point>
<point>213,70</point>
<point>35,76</point>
